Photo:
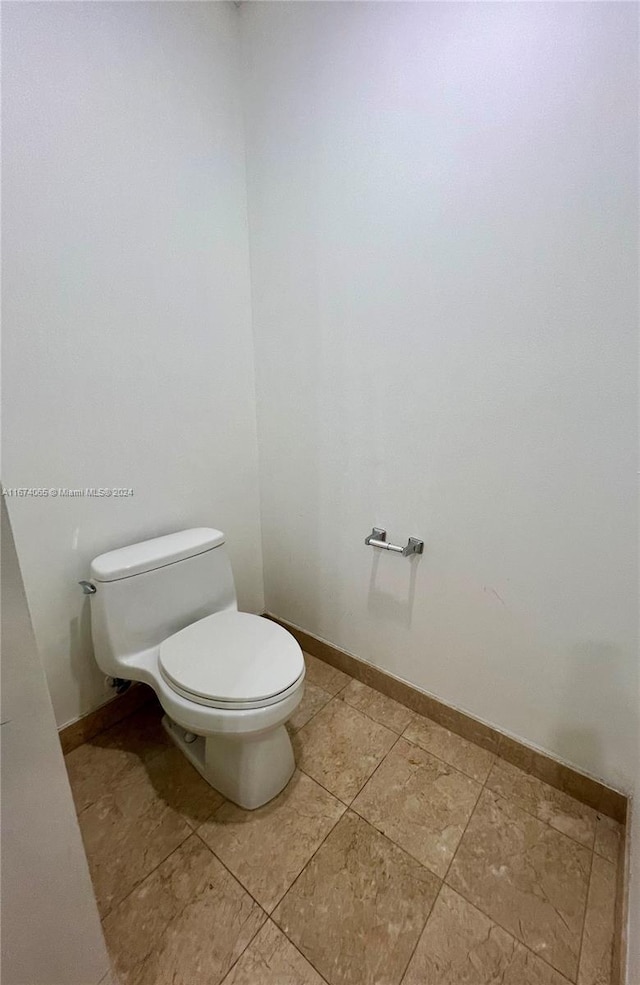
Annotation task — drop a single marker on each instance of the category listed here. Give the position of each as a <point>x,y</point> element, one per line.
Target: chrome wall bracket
<point>378,538</point>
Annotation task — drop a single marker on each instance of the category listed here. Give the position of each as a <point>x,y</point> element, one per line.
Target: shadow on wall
<point>392,590</point>
<point>84,668</point>
<point>594,667</point>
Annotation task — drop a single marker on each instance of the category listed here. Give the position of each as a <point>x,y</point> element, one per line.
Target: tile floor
<point>398,853</point>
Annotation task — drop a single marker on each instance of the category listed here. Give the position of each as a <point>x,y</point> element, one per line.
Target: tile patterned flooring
<point>399,854</point>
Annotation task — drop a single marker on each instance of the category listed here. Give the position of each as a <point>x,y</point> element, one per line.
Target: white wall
<point>50,925</point>
<point>443,213</point>
<point>127,337</point>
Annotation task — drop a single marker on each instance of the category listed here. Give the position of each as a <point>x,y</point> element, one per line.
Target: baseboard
<point>620,940</point>
<point>584,788</point>
<point>89,725</point>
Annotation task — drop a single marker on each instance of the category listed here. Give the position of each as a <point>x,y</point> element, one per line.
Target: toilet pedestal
<point>250,770</point>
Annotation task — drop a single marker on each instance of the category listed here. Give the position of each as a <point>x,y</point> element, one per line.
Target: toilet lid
<point>232,657</point>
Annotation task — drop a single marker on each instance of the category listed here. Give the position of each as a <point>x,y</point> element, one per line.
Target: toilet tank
<point>148,591</point>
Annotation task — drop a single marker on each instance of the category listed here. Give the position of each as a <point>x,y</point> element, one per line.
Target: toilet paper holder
<point>378,538</point>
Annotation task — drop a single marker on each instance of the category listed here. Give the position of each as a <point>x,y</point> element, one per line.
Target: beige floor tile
<point>527,969</point>
<point>608,837</point>
<point>420,803</point>
<point>181,787</point>
<point>527,877</point>
<point>461,946</point>
<point>109,979</point>
<point>553,806</point>
<point>452,748</point>
<point>359,907</point>
<point>378,706</point>
<point>324,675</point>
<point>145,814</point>
<point>266,849</point>
<point>271,959</point>
<point>597,942</point>
<point>313,699</point>
<point>184,925</point>
<point>340,748</point>
<point>94,766</point>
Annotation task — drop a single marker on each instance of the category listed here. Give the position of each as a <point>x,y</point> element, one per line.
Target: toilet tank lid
<point>138,558</point>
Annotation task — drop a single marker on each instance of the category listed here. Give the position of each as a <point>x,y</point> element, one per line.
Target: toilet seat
<point>232,660</point>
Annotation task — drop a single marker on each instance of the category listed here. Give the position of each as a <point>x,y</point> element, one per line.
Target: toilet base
<point>249,770</point>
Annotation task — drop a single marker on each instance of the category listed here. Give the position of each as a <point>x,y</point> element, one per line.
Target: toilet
<point>164,612</point>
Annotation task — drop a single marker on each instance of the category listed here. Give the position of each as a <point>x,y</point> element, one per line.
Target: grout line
<point>345,803</point>
<point>496,764</point>
<point>497,735</point>
<point>279,901</point>
<point>357,710</point>
<point>446,763</point>
<point>483,783</point>
<point>561,974</point>
<point>388,837</point>
<point>304,957</point>
<point>143,879</point>
<point>337,697</point>
<point>370,717</point>
<point>492,917</point>
<point>496,759</point>
<point>620,842</point>
<point>316,712</point>
<point>344,688</point>
<point>320,784</point>
<point>289,941</point>
<point>473,810</point>
<point>562,793</point>
<point>335,669</point>
<point>391,842</point>
<point>397,844</point>
<point>234,877</point>
<point>387,753</point>
<point>212,816</point>
<point>401,735</point>
<point>606,858</point>
<point>244,889</point>
<point>415,947</point>
<point>584,916</point>
<point>530,813</point>
<point>302,870</point>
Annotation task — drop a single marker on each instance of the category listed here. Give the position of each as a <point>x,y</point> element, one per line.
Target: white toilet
<point>165,612</point>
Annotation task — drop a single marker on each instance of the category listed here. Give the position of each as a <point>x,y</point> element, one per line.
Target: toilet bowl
<point>164,612</point>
